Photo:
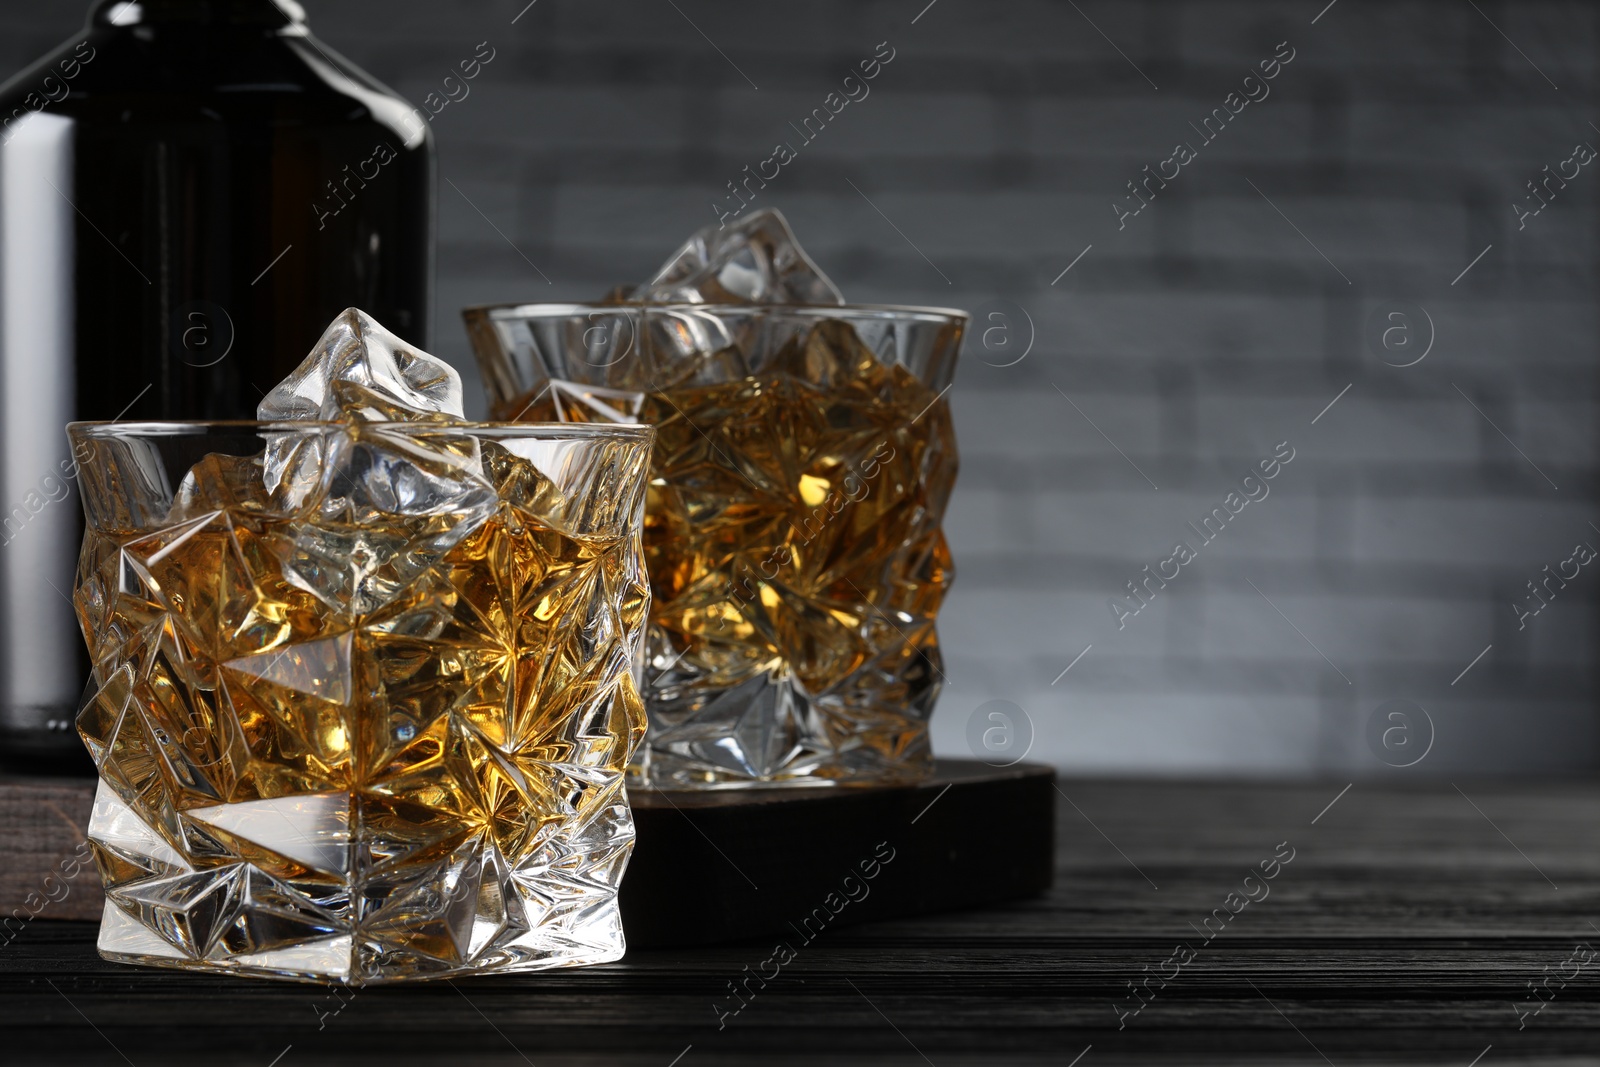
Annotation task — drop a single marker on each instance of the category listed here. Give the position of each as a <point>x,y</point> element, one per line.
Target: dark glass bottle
<point>190,191</point>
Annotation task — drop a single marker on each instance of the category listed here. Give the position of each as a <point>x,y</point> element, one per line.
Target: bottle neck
<point>267,14</point>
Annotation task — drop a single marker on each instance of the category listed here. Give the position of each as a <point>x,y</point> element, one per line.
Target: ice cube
<point>388,506</point>
<point>757,260</point>
<point>831,357</point>
<point>376,506</point>
<point>360,371</point>
<point>220,483</point>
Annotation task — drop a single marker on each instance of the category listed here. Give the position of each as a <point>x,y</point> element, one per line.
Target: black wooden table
<point>1387,925</point>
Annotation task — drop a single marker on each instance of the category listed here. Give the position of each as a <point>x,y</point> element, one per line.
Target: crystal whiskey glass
<point>803,460</point>
<point>363,694</point>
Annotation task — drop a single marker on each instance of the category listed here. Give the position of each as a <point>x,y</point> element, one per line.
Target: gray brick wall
<point>1206,331</point>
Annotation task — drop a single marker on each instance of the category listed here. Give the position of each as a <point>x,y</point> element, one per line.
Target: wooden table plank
<point>41,851</point>
<point>1404,930</point>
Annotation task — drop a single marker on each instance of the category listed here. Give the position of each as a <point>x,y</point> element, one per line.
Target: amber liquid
<point>792,528</point>
<point>447,712</point>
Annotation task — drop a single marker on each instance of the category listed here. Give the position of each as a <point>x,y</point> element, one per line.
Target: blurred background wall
<point>1128,369</point>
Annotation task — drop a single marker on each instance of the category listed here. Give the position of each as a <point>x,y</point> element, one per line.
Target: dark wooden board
<point>1405,930</point>
<point>713,867</point>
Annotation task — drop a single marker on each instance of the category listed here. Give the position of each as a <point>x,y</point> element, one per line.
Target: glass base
<point>124,940</point>
<point>296,896</point>
<point>769,732</point>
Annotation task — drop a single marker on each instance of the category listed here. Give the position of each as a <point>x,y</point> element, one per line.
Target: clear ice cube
<point>757,260</point>
<point>388,507</point>
<point>378,508</point>
<point>361,372</point>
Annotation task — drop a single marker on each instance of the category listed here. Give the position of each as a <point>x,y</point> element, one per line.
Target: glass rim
<point>561,309</point>
<point>110,429</point>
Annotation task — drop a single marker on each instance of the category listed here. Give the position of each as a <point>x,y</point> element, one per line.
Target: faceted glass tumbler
<point>803,460</point>
<point>363,695</point>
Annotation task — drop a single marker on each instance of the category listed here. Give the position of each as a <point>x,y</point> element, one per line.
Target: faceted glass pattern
<point>371,723</point>
<point>803,461</point>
